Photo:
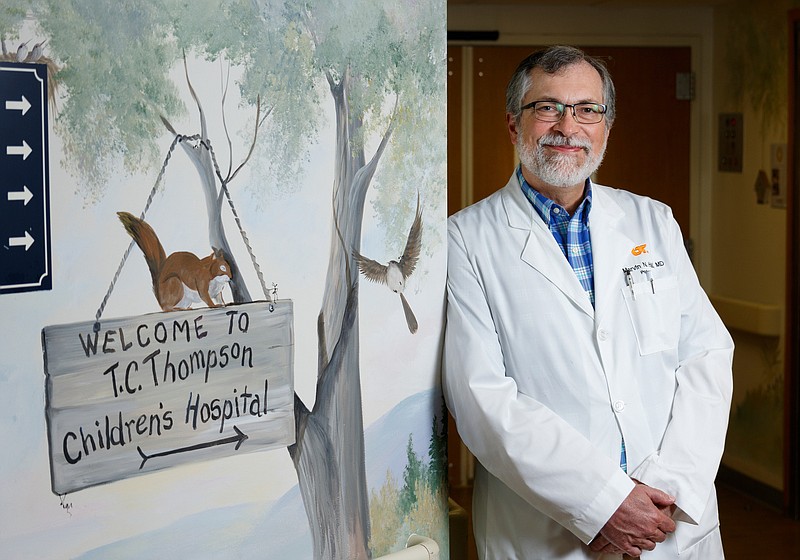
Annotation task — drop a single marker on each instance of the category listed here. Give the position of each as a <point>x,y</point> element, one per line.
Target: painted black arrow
<point>238,439</point>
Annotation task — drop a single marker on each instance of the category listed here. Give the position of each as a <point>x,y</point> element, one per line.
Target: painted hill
<point>280,529</point>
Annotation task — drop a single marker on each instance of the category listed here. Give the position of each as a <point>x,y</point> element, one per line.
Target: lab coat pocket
<point>654,309</point>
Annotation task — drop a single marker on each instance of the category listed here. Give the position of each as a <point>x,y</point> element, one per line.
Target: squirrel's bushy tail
<point>148,242</point>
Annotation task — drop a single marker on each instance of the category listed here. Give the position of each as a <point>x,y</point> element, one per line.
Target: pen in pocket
<point>649,279</point>
<point>629,283</point>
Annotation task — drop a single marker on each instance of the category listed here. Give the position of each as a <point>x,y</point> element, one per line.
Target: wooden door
<point>648,150</point>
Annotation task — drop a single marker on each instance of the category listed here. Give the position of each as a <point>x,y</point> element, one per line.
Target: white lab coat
<point>542,385</point>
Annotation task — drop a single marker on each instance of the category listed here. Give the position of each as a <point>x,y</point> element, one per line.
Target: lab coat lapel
<point>610,249</point>
<point>540,250</point>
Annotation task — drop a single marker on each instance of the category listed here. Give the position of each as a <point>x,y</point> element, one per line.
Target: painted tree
<point>437,451</point>
<point>379,63</point>
<point>414,473</point>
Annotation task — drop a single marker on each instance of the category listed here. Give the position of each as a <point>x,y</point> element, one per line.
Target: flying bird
<point>395,273</point>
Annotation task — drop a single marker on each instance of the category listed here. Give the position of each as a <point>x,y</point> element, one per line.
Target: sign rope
<point>207,145</point>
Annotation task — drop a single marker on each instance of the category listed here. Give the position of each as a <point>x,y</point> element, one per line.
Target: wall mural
<point>196,369</point>
<point>757,81</point>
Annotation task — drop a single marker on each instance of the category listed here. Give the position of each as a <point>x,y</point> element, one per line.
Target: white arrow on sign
<point>24,195</point>
<point>26,241</point>
<point>23,150</point>
<point>22,105</point>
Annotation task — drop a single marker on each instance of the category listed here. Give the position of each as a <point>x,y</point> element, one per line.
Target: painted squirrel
<point>181,279</point>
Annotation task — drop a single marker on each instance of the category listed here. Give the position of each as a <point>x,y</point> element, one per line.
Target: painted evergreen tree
<point>437,452</point>
<point>415,472</point>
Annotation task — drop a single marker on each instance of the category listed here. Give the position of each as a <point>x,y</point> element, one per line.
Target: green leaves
<point>116,57</point>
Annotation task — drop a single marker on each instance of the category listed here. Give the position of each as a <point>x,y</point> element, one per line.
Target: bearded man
<point>584,365</point>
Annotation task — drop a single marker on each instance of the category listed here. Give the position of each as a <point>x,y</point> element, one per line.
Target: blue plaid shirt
<point>572,235</point>
<point>570,232</point>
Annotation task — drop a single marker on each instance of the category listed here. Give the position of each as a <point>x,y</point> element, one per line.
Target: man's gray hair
<point>551,60</point>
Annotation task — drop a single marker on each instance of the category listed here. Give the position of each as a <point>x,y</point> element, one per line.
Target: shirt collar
<point>544,206</point>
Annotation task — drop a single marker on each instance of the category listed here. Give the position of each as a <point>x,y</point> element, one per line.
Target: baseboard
<point>756,489</point>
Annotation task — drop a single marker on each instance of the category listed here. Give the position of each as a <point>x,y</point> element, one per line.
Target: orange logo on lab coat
<point>639,249</point>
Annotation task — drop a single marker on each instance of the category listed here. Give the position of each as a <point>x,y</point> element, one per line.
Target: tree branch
<point>225,121</point>
<point>168,125</point>
<point>203,125</point>
<point>259,120</point>
<point>363,177</point>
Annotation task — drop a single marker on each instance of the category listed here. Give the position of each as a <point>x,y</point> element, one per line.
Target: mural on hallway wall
<point>754,445</point>
<point>231,390</point>
<point>755,61</point>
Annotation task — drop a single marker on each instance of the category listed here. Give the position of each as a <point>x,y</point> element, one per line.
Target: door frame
<point>791,431</point>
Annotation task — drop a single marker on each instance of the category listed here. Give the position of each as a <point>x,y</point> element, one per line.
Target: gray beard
<point>558,170</point>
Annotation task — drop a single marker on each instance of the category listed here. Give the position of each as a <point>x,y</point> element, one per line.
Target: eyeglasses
<point>553,111</point>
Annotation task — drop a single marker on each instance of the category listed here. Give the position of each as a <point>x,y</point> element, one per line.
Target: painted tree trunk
<point>329,451</point>
<point>200,156</point>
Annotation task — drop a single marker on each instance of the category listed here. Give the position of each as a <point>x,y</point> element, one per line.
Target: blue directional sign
<point>24,179</point>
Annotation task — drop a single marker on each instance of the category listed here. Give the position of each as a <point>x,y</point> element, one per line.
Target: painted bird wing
<point>373,270</point>
<point>413,245</point>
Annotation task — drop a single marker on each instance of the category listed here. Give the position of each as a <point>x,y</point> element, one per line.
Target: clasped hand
<point>640,522</point>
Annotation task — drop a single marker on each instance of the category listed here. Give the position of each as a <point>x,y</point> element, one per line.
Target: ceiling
<point>599,3</point>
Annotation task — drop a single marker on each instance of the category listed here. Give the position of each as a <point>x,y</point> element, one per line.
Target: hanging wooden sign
<point>144,393</point>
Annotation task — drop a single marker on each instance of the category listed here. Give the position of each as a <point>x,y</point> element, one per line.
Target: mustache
<point>550,139</point>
